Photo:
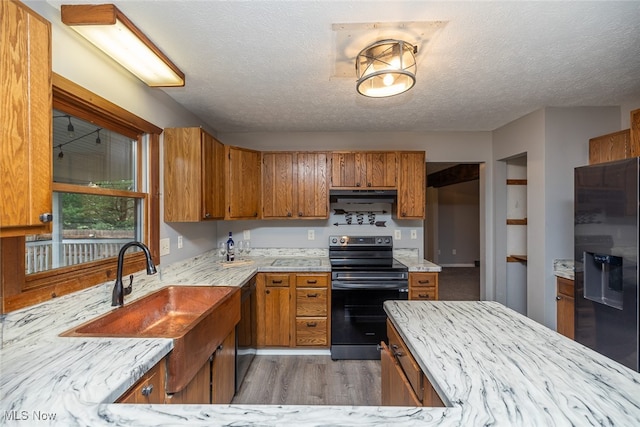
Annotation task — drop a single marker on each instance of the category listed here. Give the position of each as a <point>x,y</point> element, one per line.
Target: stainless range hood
<point>362,196</point>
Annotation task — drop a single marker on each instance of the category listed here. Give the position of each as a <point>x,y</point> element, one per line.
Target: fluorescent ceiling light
<point>111,31</point>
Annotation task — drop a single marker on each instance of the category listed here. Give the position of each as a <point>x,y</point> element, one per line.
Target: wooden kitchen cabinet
<point>566,307</point>
<point>635,133</point>
<point>149,388</point>
<point>403,382</point>
<point>423,286</point>
<point>223,371</point>
<point>363,169</point>
<point>412,185</point>
<point>243,183</point>
<point>193,176</point>
<point>26,172</point>
<point>610,147</point>
<point>312,309</point>
<point>197,391</point>
<point>273,310</point>
<point>294,185</point>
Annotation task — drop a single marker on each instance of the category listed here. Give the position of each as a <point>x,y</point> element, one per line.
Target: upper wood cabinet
<point>635,133</point>
<point>25,123</point>
<point>363,169</point>
<point>610,147</point>
<point>193,175</point>
<point>294,185</point>
<point>243,177</point>
<point>411,185</point>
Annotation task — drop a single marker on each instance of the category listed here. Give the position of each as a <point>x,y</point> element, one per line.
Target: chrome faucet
<point>119,291</point>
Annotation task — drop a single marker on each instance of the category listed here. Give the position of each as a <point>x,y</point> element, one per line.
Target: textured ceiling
<point>271,65</point>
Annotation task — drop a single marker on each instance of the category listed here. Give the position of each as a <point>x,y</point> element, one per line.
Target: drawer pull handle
<point>423,295</point>
<point>422,282</point>
<point>396,352</point>
<point>147,390</point>
<point>312,282</point>
<point>312,295</point>
<point>312,324</point>
<point>277,281</point>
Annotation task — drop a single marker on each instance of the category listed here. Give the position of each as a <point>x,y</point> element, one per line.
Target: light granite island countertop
<point>485,360</point>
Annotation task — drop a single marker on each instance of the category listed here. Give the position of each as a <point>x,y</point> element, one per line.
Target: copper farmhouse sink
<point>197,318</point>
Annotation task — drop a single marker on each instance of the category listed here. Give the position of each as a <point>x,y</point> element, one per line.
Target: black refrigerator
<point>606,259</point>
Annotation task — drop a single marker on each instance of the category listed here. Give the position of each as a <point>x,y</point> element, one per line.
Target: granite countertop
<point>563,268</point>
<point>498,367</point>
<point>52,380</point>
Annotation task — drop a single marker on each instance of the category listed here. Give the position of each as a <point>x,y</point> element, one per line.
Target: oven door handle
<point>371,286</point>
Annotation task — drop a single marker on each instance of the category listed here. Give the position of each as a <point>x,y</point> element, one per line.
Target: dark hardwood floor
<point>310,380</point>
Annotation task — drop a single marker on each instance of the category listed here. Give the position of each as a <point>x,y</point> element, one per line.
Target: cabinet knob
<point>46,217</point>
<point>267,291</point>
<point>368,184</point>
<point>403,214</point>
<point>255,214</point>
<point>558,298</point>
<point>357,184</point>
<point>288,213</point>
<point>300,214</point>
<point>147,390</point>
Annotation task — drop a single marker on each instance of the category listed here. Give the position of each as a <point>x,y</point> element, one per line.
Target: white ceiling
<point>272,65</point>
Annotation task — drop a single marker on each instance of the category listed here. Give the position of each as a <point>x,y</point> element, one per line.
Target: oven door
<point>358,319</point>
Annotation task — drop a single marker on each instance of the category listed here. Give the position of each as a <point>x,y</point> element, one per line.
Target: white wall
<point>77,60</point>
<point>555,141</point>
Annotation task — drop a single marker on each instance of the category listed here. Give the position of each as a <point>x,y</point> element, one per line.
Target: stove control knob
<point>334,240</point>
<point>379,241</point>
<point>387,240</point>
<point>343,240</point>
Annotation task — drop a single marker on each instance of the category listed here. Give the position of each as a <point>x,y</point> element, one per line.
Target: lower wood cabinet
<point>223,371</point>
<point>566,307</point>
<point>403,382</point>
<point>423,286</point>
<point>293,309</point>
<point>149,388</point>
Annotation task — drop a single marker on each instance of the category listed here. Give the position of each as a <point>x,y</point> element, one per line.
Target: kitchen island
<point>484,360</point>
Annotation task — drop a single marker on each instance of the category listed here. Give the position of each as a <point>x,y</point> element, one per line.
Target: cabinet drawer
<point>423,293</point>
<point>423,279</point>
<point>407,362</point>
<point>565,286</point>
<point>311,302</point>
<point>276,279</point>
<point>312,280</point>
<point>149,388</point>
<point>311,331</point>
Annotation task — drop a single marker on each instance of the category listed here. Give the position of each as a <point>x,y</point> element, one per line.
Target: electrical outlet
<point>414,234</point>
<point>165,246</point>
<point>453,251</point>
<point>246,234</point>
<point>397,234</point>
<point>179,242</point>
<point>311,235</point>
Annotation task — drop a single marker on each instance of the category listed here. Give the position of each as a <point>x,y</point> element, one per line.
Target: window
<point>98,198</point>
<point>106,193</point>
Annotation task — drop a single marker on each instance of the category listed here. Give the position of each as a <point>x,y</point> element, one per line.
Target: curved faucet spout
<point>119,291</point>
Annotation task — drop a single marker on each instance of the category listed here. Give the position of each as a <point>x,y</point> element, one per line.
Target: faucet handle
<point>129,288</point>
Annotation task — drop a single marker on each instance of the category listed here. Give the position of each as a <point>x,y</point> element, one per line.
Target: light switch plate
<point>165,246</point>
<point>397,234</point>
<point>179,242</point>
<point>414,234</point>
<point>311,235</point>
<point>246,234</point>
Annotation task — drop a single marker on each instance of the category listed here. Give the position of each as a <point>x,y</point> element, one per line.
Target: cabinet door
<point>223,371</point>
<point>312,190</point>
<point>381,169</point>
<point>25,123</point>
<point>182,174</point>
<point>634,137</point>
<point>277,185</point>
<point>411,185</point>
<point>348,169</point>
<point>149,389</point>
<point>273,328</point>
<point>213,178</point>
<point>243,183</point>
<point>396,390</point>
<point>565,307</point>
<point>610,147</point>
<point>198,391</point>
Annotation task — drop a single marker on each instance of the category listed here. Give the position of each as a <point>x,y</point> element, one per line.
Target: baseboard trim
<point>293,352</point>
<point>457,265</point>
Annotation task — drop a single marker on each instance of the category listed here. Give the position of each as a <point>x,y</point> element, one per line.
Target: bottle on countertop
<point>230,249</point>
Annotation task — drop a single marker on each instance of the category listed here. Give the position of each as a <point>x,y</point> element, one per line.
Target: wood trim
<point>516,182</point>
<point>81,189</point>
<point>79,99</point>
<point>153,188</point>
<point>522,221</point>
<point>517,258</point>
<point>457,174</point>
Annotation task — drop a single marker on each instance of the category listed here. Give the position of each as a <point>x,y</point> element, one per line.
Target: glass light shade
<point>112,32</point>
<point>386,68</point>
